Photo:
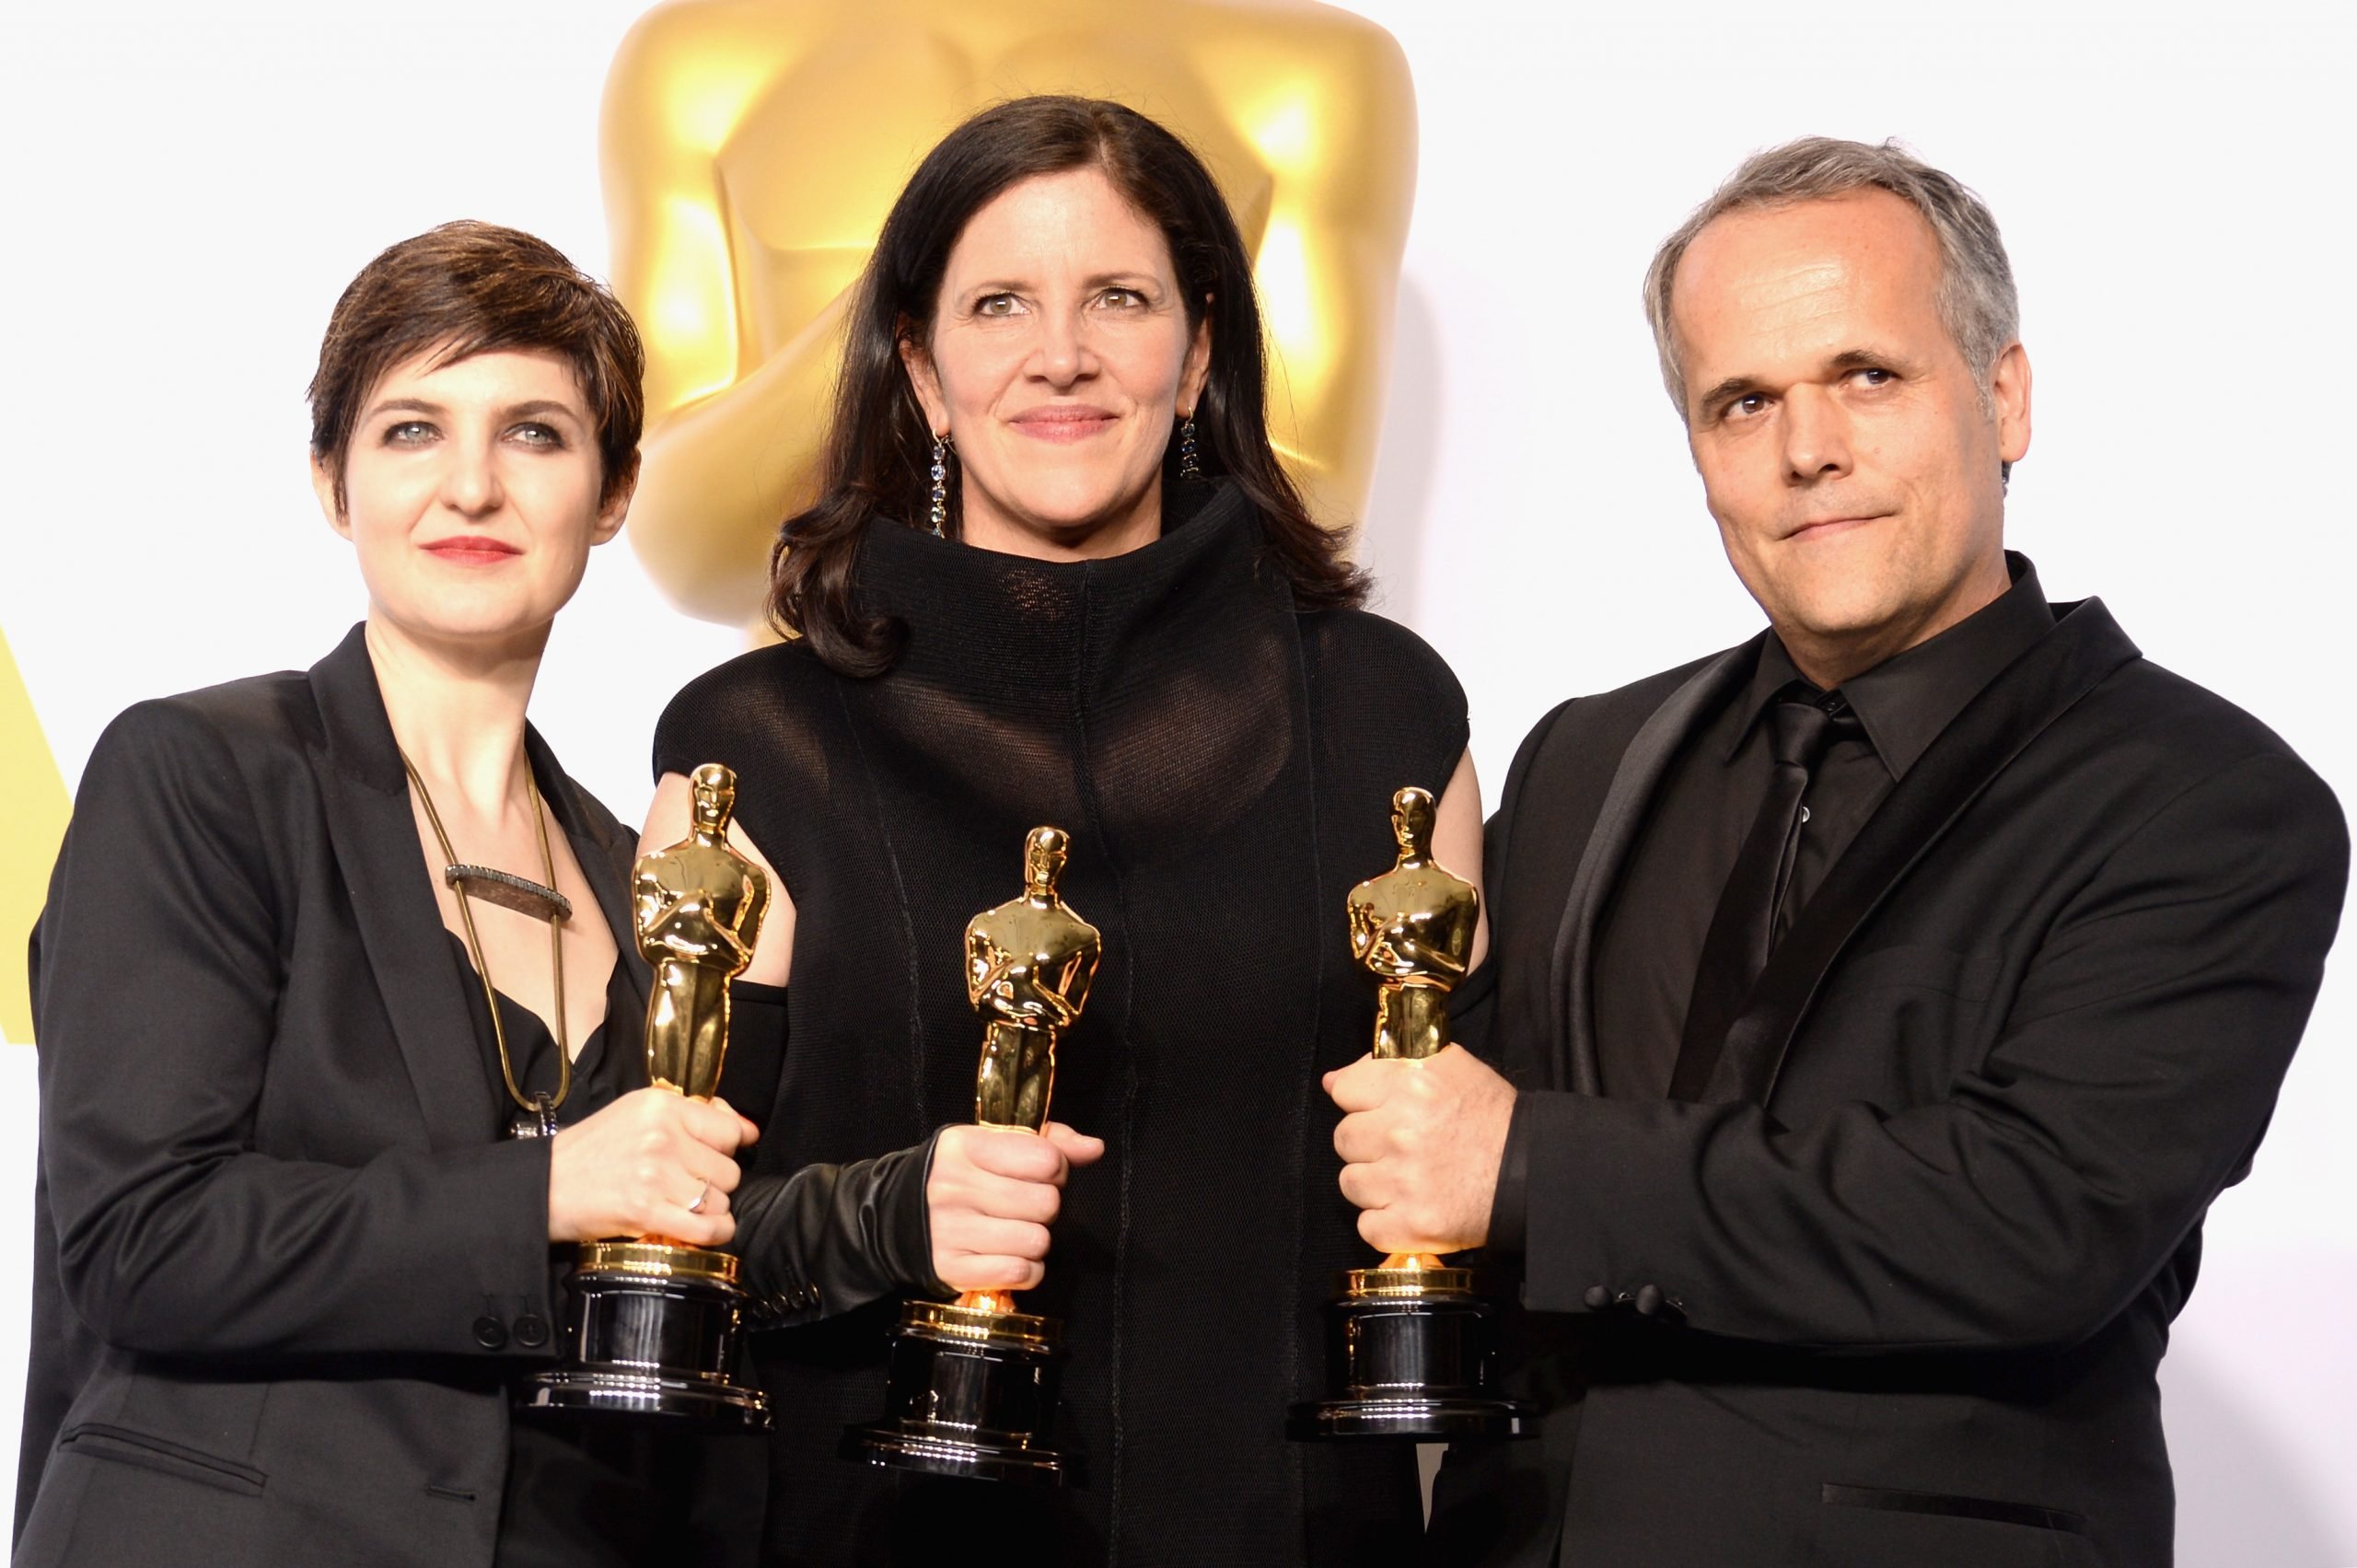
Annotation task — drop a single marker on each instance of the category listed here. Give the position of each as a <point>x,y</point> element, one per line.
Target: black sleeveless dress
<point>1224,766</point>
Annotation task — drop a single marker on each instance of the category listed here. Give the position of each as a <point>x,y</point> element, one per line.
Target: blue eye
<point>409,433</point>
<point>538,436</point>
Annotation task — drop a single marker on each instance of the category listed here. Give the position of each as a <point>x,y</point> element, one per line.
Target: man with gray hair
<point>1877,1006</point>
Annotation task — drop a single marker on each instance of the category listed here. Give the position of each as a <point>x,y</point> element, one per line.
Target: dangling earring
<point>1188,467</point>
<point>940,516</point>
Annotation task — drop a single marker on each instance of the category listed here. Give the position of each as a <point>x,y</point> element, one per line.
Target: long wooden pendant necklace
<point>536,1115</point>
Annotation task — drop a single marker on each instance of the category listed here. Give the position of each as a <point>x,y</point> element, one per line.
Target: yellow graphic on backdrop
<point>33,804</point>
<point>752,147</point>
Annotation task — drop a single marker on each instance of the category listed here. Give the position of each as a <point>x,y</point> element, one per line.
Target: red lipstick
<point>472,549</point>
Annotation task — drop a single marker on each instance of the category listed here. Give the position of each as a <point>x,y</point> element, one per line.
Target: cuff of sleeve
<point>1609,1200</point>
<point>512,1307</point>
<point>1510,1205</point>
<point>831,1237</point>
<point>908,1220</point>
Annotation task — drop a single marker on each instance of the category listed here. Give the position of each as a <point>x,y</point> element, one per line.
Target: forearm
<point>830,1237</point>
<point>2125,1081</point>
<point>1417,961</point>
<point>250,1258</point>
<point>1966,1223</point>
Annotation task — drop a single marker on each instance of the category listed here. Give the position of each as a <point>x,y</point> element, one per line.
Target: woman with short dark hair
<point>1057,575</point>
<point>339,1009</point>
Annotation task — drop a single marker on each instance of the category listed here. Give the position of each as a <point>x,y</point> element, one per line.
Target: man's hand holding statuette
<point>1421,1143</point>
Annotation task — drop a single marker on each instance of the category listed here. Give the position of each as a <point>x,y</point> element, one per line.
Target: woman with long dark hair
<point>1057,575</point>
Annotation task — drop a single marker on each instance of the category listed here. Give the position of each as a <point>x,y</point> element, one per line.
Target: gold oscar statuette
<point>652,1322</point>
<point>1409,1346</point>
<point>972,1384</point>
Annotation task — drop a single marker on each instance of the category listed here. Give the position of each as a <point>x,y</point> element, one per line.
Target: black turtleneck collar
<point>1013,619</point>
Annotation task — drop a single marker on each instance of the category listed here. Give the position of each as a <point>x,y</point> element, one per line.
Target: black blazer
<point>1895,1292</point>
<point>285,1265</point>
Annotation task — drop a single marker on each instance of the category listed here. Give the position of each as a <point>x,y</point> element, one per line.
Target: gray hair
<point>1976,298</point>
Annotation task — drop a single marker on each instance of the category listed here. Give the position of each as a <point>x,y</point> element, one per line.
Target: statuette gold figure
<point>1413,928</point>
<point>1029,963</point>
<point>651,1323</point>
<point>973,1387</point>
<point>1411,1347</point>
<point>697,907</point>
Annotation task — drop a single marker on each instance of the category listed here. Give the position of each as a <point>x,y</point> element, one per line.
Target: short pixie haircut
<point>467,288</point>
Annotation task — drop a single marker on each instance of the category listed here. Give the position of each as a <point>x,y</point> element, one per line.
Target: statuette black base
<point>1410,1354</point>
<point>971,1393</point>
<point>650,1330</point>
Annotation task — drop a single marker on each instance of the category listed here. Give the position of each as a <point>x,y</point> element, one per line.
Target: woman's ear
<point>615,508</point>
<point>324,486</point>
<point>926,383</point>
<point>1198,368</point>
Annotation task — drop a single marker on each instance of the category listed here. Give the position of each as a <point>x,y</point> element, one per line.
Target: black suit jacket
<point>286,1266</point>
<point>1895,1291</point>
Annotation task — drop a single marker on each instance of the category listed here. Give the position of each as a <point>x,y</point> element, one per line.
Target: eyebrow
<point>1864,359</point>
<point>1841,363</point>
<point>526,410</point>
<point>539,406</point>
<point>1125,278</point>
<point>1726,391</point>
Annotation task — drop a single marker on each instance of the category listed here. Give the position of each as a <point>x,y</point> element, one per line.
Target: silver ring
<point>702,1193</point>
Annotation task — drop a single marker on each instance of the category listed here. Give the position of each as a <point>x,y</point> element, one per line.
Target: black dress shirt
<point>599,1076</point>
<point>1651,938</point>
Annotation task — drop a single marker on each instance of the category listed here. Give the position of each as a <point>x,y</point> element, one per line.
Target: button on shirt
<point>1650,939</point>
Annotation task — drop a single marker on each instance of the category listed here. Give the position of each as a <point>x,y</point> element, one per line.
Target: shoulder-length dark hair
<point>880,446</point>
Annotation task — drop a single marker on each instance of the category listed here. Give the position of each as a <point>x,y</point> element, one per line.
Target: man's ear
<point>324,486</point>
<point>2009,392</point>
<point>925,381</point>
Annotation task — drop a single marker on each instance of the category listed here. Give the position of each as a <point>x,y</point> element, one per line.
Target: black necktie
<point>1800,730</point>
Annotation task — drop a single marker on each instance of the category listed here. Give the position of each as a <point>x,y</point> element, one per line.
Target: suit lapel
<point>1649,753</point>
<point>373,830</point>
<point>2086,646</point>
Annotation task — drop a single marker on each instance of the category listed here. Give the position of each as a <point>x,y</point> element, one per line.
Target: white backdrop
<point>191,186</point>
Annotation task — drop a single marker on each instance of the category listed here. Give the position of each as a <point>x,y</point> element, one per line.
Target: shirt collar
<point>1908,699</point>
